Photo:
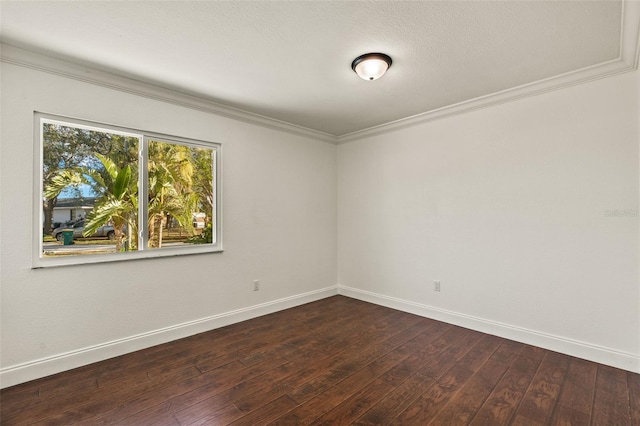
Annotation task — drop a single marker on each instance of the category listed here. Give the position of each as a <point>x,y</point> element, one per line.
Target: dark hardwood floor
<point>337,361</point>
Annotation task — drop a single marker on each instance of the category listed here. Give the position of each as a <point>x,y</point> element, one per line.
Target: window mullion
<point>215,210</point>
<point>143,195</point>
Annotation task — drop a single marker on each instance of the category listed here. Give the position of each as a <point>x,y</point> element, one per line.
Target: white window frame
<point>143,251</point>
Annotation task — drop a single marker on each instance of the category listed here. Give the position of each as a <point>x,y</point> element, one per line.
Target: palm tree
<point>170,188</point>
<point>117,196</point>
<point>203,185</point>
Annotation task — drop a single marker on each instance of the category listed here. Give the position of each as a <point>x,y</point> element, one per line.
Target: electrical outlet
<point>256,285</point>
<point>436,286</point>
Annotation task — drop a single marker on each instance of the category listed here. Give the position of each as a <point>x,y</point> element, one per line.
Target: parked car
<point>105,231</point>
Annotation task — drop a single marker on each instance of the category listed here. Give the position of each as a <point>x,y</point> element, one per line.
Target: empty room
<point>320,212</point>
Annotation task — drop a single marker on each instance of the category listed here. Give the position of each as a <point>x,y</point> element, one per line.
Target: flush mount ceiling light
<point>371,66</point>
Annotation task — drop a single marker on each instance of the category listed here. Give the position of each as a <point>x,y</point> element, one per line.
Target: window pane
<point>93,179</point>
<point>181,195</point>
<point>89,190</point>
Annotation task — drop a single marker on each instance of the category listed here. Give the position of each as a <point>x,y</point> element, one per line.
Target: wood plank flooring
<point>337,361</point>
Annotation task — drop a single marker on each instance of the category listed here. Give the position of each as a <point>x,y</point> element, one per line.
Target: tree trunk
<point>162,217</point>
<point>119,238</point>
<point>151,233</point>
<point>155,230</point>
<point>132,242</point>
<point>47,206</point>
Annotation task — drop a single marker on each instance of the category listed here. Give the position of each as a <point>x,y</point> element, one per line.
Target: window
<point>108,193</point>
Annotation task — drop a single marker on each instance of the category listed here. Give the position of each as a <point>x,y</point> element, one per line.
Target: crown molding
<point>627,61</point>
<point>22,57</point>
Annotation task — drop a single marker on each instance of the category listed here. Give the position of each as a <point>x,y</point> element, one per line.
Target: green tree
<point>67,148</point>
<point>203,179</point>
<point>117,196</point>
<point>117,203</point>
<point>63,148</point>
<point>171,175</point>
<point>202,159</point>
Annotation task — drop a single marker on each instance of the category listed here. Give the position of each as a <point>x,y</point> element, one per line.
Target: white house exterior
<point>72,209</point>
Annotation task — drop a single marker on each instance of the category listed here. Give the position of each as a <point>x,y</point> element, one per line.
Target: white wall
<point>509,207</point>
<point>279,227</point>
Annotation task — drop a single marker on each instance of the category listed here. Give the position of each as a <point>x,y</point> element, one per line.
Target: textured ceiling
<point>291,60</point>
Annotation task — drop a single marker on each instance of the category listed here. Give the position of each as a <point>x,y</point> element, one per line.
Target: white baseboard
<point>588,351</point>
<point>25,372</point>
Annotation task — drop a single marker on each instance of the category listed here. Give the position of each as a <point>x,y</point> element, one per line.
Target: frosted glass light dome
<point>371,66</point>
